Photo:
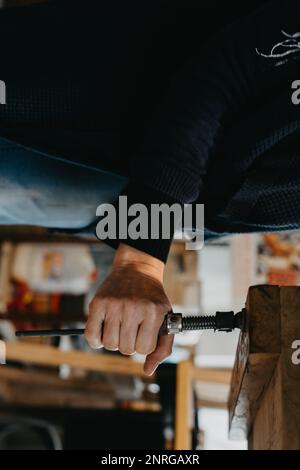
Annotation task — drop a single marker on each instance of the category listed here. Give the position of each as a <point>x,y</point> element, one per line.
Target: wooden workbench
<point>264,402</point>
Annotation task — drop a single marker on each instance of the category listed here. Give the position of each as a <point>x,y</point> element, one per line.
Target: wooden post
<point>264,402</point>
<point>183,406</point>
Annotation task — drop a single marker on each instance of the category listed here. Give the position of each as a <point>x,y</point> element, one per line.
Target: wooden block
<point>265,390</point>
<point>258,351</point>
<point>277,422</point>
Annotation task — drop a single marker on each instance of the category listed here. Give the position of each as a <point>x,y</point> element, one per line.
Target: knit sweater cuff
<point>141,194</point>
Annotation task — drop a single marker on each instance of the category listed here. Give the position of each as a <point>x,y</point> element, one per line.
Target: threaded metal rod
<point>221,321</point>
<point>207,322</point>
<point>174,323</point>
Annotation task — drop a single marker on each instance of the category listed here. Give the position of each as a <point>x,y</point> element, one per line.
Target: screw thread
<point>207,322</point>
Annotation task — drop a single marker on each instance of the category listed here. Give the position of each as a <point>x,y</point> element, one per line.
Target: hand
<point>129,309</point>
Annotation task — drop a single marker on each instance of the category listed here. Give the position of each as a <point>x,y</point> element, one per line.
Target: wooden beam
<point>265,399</point>
<point>33,388</point>
<point>277,421</point>
<point>183,406</point>
<point>53,357</point>
<point>17,376</point>
<point>39,395</point>
<point>258,351</point>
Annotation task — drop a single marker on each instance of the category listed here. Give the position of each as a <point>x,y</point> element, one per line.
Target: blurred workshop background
<point>50,388</point>
<point>55,393</point>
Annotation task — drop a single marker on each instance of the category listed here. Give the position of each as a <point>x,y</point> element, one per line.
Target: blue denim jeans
<point>37,189</point>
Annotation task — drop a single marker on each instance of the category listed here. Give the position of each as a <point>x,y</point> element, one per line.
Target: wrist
<point>127,256</point>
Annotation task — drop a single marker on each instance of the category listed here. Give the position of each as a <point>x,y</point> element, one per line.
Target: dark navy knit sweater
<point>189,99</point>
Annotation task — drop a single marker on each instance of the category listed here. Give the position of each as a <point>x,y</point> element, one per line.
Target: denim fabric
<point>36,189</point>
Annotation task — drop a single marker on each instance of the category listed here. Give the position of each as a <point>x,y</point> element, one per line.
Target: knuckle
<point>113,301</point>
<point>162,310</point>
<point>145,350</point>
<point>130,303</point>
<point>113,305</point>
<point>131,306</point>
<point>110,344</point>
<point>127,351</point>
<point>92,340</point>
<point>166,352</point>
<point>95,304</point>
<point>88,335</point>
<point>152,313</point>
<point>111,347</point>
<point>157,312</point>
<point>145,305</point>
<point>133,311</point>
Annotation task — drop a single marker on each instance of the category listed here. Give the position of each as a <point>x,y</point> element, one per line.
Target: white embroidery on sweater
<point>283,48</point>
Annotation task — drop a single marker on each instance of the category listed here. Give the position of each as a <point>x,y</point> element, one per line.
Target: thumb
<point>162,351</point>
